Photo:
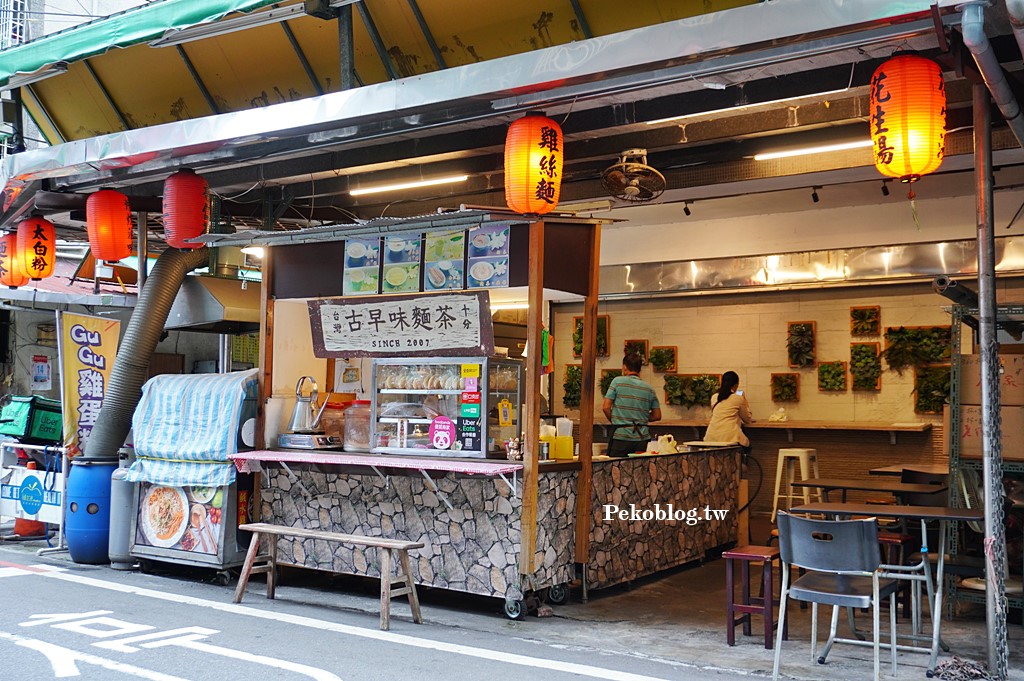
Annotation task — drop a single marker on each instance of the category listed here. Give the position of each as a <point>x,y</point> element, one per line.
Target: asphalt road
<point>66,621</point>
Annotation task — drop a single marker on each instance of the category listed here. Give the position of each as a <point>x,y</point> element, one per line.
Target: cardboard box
<point>1011,380</point>
<point>1012,432</point>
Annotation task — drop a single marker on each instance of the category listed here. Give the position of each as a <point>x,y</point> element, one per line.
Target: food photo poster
<point>362,267</point>
<point>181,518</point>
<point>443,258</point>
<point>401,264</point>
<point>488,256</point>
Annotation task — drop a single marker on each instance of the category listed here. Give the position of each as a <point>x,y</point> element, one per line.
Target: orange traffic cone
<point>29,528</point>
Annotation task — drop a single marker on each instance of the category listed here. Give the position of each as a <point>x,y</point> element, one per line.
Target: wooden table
<point>898,468</point>
<point>869,484</point>
<point>925,514</point>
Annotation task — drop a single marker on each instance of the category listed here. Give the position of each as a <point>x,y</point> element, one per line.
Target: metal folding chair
<point>841,558</point>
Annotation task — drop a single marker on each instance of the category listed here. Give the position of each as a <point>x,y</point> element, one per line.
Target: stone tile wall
<point>621,550</point>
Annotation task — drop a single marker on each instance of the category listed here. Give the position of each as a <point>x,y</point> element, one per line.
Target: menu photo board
<point>401,264</point>
<point>487,265</point>
<point>362,267</point>
<point>423,325</point>
<point>444,261</point>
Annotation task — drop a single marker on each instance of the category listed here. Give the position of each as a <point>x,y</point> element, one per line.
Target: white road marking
<point>55,617</point>
<point>65,661</point>
<point>375,634</point>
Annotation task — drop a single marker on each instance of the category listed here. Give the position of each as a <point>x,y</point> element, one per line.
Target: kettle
<point>305,415</point>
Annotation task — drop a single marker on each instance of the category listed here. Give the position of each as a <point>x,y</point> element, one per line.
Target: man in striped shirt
<point>629,405</point>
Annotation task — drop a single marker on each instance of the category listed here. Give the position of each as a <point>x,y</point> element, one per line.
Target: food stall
<point>434,469</point>
<point>189,499</point>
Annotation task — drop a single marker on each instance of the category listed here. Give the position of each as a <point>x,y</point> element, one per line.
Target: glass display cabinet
<point>444,406</point>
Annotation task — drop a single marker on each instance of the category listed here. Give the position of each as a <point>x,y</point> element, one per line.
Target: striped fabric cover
<point>186,426</point>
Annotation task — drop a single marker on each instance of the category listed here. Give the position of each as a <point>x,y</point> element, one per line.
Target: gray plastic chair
<point>841,558</point>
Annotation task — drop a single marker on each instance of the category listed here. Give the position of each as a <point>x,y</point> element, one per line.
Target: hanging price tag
<point>470,371</point>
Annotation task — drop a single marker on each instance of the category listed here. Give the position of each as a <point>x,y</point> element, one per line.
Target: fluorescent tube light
<point>803,151</point>
<point>254,251</point>
<point>275,15</point>
<point>21,79</point>
<point>408,185</point>
<point>744,107</point>
<point>510,306</point>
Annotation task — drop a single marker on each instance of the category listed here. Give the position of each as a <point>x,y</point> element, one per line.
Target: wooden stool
<point>788,457</point>
<point>752,605</point>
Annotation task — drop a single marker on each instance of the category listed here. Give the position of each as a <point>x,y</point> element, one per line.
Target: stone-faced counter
<point>473,546</point>
<point>680,485</point>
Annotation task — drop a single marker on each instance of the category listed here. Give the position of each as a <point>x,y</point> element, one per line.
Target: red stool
<point>752,605</point>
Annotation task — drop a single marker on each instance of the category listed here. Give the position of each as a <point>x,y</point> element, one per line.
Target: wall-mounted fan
<point>631,179</point>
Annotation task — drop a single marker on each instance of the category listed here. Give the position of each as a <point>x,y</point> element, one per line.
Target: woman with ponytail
<point>729,411</point>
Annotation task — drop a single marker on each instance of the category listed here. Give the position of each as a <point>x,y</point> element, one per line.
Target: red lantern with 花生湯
<point>533,164</point>
<point>186,208</point>
<point>108,220</point>
<point>37,240</point>
<point>12,269</point>
<point>908,117</point>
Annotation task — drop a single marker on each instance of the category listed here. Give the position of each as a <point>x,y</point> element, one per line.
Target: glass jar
<point>333,420</point>
<point>357,427</point>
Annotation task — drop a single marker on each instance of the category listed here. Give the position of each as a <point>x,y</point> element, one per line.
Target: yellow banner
<point>88,346</point>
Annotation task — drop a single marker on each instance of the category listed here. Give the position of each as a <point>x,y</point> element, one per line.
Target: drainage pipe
<point>132,365</point>
<point>973,27</point>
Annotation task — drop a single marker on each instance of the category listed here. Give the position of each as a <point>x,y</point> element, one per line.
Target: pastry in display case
<point>459,407</point>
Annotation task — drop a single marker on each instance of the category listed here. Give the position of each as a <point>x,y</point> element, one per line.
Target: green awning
<point>119,30</point>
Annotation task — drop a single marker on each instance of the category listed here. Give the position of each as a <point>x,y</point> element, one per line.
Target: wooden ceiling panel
<point>402,37</point>
<point>75,105</point>
<point>606,18</point>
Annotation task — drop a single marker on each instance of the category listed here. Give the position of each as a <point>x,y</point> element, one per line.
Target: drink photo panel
<point>443,261</point>
<point>399,249</point>
<point>403,278</point>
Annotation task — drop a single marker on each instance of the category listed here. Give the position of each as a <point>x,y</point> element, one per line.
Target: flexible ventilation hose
<point>132,364</point>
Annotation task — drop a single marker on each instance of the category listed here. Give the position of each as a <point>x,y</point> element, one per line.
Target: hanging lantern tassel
<point>911,196</point>
<point>12,268</point>
<point>533,165</point>
<point>186,208</point>
<point>37,239</point>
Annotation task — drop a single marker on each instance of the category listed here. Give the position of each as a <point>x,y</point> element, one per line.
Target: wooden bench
<point>386,547</point>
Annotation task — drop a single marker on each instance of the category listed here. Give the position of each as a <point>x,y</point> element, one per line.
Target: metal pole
<point>346,48</point>
<point>224,360</point>
<point>143,248</point>
<point>992,454</point>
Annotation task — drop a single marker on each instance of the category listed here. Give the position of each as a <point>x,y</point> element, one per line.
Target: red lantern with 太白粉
<point>108,220</point>
<point>12,269</point>
<point>908,117</point>
<point>37,240</point>
<point>186,208</point>
<point>533,165</point>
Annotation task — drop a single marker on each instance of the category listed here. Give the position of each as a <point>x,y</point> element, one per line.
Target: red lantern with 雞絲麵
<point>908,117</point>
<point>108,220</point>
<point>37,240</point>
<point>533,164</point>
<point>186,208</point>
<point>12,269</point>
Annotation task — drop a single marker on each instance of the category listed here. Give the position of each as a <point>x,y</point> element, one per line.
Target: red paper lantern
<point>533,164</point>
<point>109,224</point>
<point>908,117</point>
<point>12,269</point>
<point>37,245</point>
<point>186,208</point>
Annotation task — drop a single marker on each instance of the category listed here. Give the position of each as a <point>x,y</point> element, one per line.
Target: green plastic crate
<point>33,420</point>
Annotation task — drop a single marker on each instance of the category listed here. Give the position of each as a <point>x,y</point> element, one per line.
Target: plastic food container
<point>333,420</point>
<point>357,427</point>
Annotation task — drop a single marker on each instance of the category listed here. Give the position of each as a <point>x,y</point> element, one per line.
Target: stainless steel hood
<point>215,305</point>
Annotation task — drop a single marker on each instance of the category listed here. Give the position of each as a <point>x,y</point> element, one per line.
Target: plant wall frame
<point>800,344</point>
<point>637,345</point>
<point>785,387</point>
<point>572,386</point>
<point>865,366</point>
<point>607,375</point>
<point>603,334</point>
<point>866,321</point>
<point>931,388</point>
<point>691,390</point>
<point>832,376</point>
<point>907,347</point>
<point>663,359</point>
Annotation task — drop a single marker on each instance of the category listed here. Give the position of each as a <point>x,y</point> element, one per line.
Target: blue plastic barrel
<point>87,523</point>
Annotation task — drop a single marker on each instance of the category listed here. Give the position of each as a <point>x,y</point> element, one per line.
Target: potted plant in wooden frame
<point>915,346</point>
<point>663,359</point>
<point>785,387</point>
<point>572,386</point>
<point>832,376</point>
<point>931,388</point>
<point>639,346</point>
<point>866,321</point>
<point>865,366</point>
<point>603,333</point>
<point>800,344</point>
<point>607,376</point>
<point>691,390</point>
